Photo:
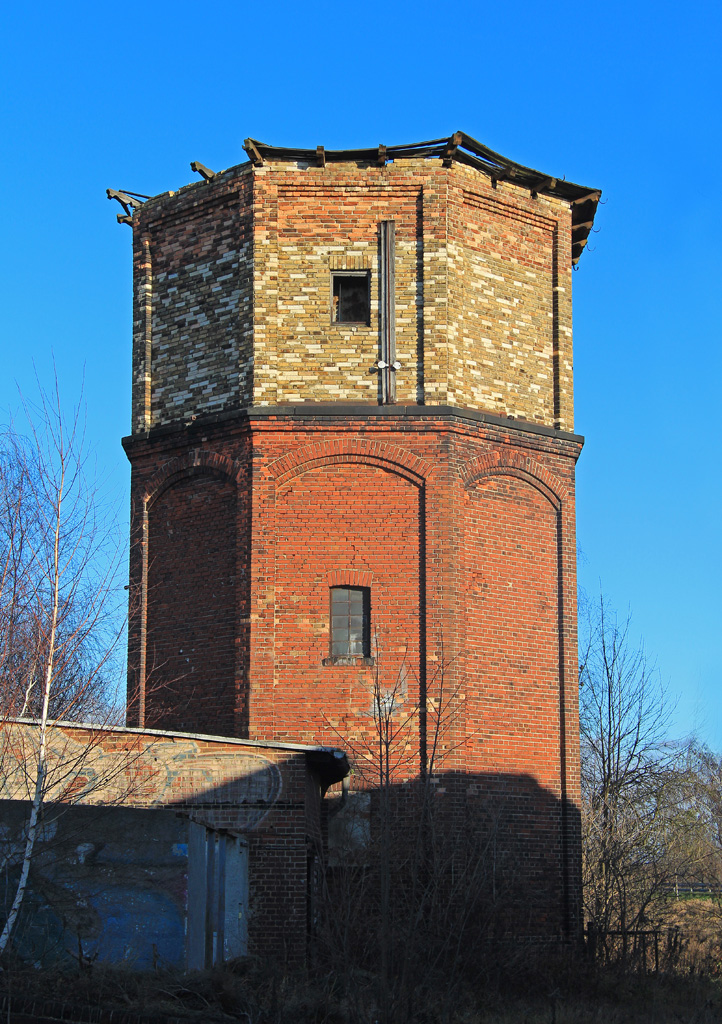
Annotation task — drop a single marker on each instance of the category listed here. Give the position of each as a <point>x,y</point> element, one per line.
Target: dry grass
<point>700,923</point>
<point>254,993</point>
<point>634,1001</point>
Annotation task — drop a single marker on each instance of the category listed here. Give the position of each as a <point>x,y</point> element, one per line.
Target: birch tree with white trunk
<point>58,610</point>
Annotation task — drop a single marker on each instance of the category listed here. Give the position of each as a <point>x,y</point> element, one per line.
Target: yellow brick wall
<point>233,289</point>
<point>510,301</point>
<point>483,275</point>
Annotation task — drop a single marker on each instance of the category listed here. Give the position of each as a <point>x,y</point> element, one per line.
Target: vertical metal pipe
<point>221,919</point>
<point>143,624</point>
<point>211,904</point>
<point>387,309</point>
<point>147,332</point>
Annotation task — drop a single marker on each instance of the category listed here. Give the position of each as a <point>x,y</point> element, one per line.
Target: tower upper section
<point>432,274</point>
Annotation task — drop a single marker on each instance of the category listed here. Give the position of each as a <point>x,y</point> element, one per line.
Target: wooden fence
<point>644,950</point>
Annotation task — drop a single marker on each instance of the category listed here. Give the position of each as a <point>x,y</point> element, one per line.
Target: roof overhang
<point>463,149</point>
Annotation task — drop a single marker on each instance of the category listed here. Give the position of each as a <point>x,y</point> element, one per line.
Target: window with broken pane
<point>350,625</point>
<point>350,298</point>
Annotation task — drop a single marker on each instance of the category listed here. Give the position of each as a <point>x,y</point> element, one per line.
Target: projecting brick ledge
<point>343,412</point>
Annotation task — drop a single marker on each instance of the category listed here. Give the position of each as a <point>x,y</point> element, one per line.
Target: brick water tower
<point>353,458</point>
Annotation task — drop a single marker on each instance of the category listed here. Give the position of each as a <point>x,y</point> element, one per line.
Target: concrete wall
<point>106,884</point>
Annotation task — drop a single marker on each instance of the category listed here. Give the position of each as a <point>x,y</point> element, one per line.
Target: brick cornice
<point>191,200</point>
<point>324,411</point>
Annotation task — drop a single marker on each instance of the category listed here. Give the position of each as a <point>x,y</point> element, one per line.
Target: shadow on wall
<point>481,853</point>
<point>107,884</point>
<point>195,665</point>
<point>477,856</point>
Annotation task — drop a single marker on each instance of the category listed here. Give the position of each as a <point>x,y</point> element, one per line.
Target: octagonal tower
<point>353,460</point>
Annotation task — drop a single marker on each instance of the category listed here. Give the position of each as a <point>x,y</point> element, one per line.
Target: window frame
<point>359,274</point>
<point>348,657</point>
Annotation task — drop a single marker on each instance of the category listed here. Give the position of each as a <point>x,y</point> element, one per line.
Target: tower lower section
<point>335,575</point>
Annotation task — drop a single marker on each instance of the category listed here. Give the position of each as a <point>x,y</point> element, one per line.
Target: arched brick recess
<point>342,518</point>
<point>189,671</point>
<point>373,453</point>
<point>513,620</point>
<point>519,621</point>
<point>197,461</point>
<point>521,466</point>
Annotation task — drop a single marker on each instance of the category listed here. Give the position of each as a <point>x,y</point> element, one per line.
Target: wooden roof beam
<point>205,172</point>
<point>502,174</point>
<point>253,154</point>
<point>545,184</point>
<point>451,147</point>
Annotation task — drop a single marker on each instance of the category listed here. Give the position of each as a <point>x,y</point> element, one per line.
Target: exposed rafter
<point>457,147</point>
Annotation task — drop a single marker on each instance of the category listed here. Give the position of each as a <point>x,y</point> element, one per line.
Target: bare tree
<point>58,621</point>
<point>636,783</point>
<point>703,807</point>
<point>415,889</point>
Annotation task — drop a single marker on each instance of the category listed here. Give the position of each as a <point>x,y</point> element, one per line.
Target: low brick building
<point>164,849</point>
<point>353,458</point>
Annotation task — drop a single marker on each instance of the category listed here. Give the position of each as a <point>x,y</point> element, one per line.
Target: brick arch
<point>353,449</point>
<point>192,463</point>
<point>350,578</point>
<point>523,467</point>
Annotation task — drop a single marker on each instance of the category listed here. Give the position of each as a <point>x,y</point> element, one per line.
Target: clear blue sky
<point>620,96</point>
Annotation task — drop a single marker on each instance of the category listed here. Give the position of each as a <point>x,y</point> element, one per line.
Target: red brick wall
<point>322,539</point>
<point>511,655</point>
<point>192,605</point>
<point>188,646</point>
<point>464,531</point>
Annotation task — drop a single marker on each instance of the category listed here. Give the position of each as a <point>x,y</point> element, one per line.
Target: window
<point>350,298</point>
<point>350,622</point>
